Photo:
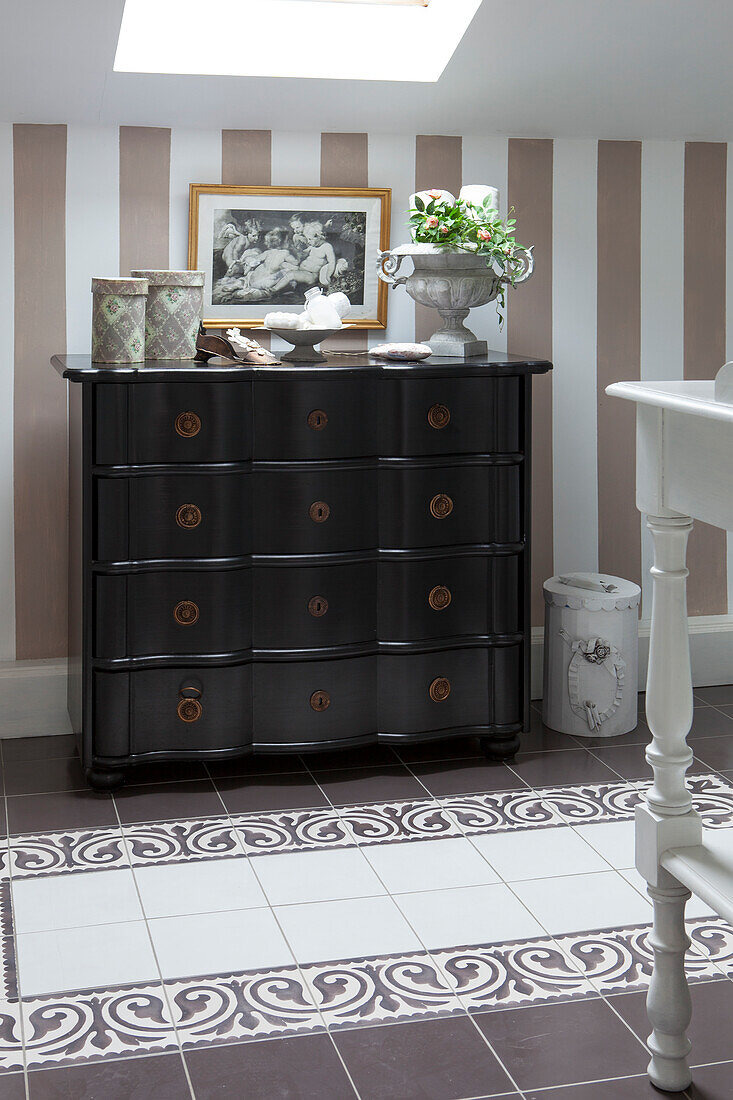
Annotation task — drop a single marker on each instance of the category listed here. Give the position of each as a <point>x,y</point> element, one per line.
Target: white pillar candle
<point>477,192</point>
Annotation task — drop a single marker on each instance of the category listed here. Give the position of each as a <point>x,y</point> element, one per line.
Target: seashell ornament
<point>405,352</point>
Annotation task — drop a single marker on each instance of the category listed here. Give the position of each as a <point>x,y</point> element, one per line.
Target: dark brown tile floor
<point>562,1051</point>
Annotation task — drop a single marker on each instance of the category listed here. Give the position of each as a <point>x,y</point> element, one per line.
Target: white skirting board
<point>33,693</point>
<point>33,698</point>
<point>711,652</point>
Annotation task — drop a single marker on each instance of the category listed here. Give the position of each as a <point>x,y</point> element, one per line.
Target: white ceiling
<point>564,68</point>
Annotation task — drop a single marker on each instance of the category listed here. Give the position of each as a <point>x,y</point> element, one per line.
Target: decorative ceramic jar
<point>591,655</point>
<point>453,283</point>
<point>174,311</point>
<point>118,320</point>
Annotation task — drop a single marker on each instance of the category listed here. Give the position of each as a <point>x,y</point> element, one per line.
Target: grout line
<point>11,902</point>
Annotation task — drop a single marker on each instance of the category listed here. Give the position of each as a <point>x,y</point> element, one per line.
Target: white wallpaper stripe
<point>7,533</point>
<point>392,164</point>
<point>485,160</point>
<point>92,223</point>
<point>575,454</point>
<point>195,158</point>
<point>296,158</point>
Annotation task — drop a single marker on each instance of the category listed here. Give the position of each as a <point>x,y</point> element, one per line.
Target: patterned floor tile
<point>380,990</point>
<point>79,1027</point>
<point>501,812</point>
<point>232,1008</point>
<point>61,853</point>
<point>386,822</point>
<point>291,831</point>
<point>178,842</point>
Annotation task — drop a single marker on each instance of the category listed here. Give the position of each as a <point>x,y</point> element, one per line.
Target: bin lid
<point>591,592</point>
<point>170,278</point>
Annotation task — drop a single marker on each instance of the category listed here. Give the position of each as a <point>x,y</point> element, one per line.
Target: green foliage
<point>464,226</point>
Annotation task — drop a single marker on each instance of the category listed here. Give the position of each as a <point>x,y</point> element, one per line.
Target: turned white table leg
<point>669,677</point>
<point>666,819</point>
<point>668,1002</point>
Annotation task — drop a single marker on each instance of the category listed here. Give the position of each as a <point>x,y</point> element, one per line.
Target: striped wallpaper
<point>632,244</point>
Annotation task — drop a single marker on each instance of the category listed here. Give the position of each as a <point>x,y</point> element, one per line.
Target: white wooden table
<point>684,471</point>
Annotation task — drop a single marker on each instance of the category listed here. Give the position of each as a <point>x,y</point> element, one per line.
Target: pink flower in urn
<point>435,194</point>
<point>484,235</point>
<point>444,229</point>
<point>432,222</point>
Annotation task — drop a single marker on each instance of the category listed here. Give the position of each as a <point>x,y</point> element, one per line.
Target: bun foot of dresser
<point>104,779</point>
<point>500,749</point>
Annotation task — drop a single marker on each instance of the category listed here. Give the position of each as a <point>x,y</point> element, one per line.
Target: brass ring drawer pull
<point>189,707</point>
<point>438,416</point>
<point>320,700</point>
<point>439,690</point>
<point>188,424</point>
<point>317,606</point>
<point>188,516</point>
<point>319,511</point>
<point>317,420</point>
<point>186,612</point>
<point>439,597</point>
<point>441,506</point>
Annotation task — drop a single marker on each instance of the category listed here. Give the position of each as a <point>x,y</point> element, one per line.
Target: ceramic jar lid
<point>592,592</point>
<point>171,278</point>
<point>120,286</point>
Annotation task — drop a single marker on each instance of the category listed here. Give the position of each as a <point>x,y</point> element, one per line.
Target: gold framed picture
<point>262,248</point>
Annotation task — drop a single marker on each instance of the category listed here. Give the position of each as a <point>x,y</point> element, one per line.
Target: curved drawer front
<point>425,416</point>
<point>449,506</point>
<point>448,597</point>
<point>304,608</point>
<point>173,422</point>
<point>173,516</point>
<point>172,613</point>
<point>172,710</point>
<point>308,419</point>
<point>314,510</point>
<point>314,701</point>
<point>429,692</point>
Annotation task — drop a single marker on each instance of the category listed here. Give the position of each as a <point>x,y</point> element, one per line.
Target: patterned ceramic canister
<point>175,307</point>
<point>118,320</point>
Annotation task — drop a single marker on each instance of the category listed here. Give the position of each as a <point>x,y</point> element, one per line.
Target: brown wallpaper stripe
<point>438,163</point>
<point>345,163</point>
<point>704,340</point>
<point>618,354</point>
<point>40,395</point>
<point>145,162</point>
<point>246,158</point>
<point>529,332</point>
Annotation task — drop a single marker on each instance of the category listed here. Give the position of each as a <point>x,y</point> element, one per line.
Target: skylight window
<point>409,40</point>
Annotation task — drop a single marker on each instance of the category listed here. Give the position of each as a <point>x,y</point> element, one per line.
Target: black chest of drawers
<point>296,558</point>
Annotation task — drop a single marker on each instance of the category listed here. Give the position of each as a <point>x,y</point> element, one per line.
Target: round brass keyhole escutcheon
<point>439,597</point>
<point>317,606</point>
<point>438,416</point>
<point>320,700</point>
<point>189,710</point>
<point>188,516</point>
<point>317,420</point>
<point>186,612</point>
<point>441,506</point>
<point>439,689</point>
<point>188,424</point>
<point>319,511</point>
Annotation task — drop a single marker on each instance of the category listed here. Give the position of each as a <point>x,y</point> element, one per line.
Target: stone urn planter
<point>453,283</point>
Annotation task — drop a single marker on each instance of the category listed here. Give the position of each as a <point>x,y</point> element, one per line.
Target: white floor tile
<point>177,889</point>
<point>72,901</point>
<point>471,915</point>
<point>317,876</point>
<point>538,853</point>
<point>215,943</point>
<point>578,903</point>
<point>346,929</point>
<point>614,840</point>
<point>82,958</point>
<point>429,865</point>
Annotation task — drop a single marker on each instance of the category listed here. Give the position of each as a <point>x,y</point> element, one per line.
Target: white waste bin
<point>591,655</point>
